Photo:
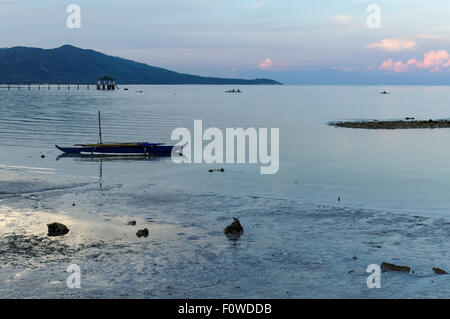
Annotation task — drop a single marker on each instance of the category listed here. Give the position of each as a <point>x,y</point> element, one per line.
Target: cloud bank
<point>434,61</point>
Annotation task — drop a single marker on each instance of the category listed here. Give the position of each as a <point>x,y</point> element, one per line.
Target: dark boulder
<point>142,233</point>
<point>57,229</point>
<point>234,230</point>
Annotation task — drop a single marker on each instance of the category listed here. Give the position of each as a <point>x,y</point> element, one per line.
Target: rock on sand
<point>142,233</point>
<point>57,229</point>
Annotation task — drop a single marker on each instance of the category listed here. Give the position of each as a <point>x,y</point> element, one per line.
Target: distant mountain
<point>75,65</point>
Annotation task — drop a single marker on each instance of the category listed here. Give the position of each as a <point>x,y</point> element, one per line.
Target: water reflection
<point>109,158</point>
<point>100,159</point>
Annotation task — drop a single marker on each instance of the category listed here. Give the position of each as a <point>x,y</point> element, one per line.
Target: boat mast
<point>99,127</point>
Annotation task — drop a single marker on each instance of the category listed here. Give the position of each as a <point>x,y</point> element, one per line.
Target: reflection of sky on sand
<point>84,229</point>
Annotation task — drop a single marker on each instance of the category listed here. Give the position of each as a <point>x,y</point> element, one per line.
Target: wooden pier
<point>104,83</point>
<point>45,86</point>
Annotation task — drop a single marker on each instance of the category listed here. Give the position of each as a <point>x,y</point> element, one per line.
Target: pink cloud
<point>266,64</point>
<point>397,67</point>
<point>433,60</point>
<point>393,44</point>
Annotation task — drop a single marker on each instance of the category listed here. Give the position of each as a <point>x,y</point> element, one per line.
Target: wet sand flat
<point>290,249</point>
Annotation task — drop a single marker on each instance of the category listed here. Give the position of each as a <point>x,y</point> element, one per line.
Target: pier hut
<point>106,83</point>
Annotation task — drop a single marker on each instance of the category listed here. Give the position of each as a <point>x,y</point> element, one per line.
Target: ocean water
<point>298,240</point>
<point>405,170</point>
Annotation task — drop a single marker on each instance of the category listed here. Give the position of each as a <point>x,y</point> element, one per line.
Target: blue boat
<point>138,148</point>
<point>135,148</point>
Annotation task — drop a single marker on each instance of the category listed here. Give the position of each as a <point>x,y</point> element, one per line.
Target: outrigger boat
<point>135,148</point>
<point>139,148</point>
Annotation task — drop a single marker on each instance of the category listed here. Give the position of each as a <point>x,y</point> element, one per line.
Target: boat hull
<point>122,150</point>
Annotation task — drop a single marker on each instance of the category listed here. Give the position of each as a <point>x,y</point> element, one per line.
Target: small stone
<point>222,170</point>
<point>132,223</point>
<point>392,267</point>
<point>234,230</point>
<point>73,204</point>
<point>42,156</point>
<point>439,271</point>
<point>354,258</point>
<point>57,229</point>
<point>351,271</point>
<point>142,233</point>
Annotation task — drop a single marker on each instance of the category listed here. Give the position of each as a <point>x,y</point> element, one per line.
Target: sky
<point>285,39</point>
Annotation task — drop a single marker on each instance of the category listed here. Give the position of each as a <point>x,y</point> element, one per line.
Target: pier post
<point>99,127</point>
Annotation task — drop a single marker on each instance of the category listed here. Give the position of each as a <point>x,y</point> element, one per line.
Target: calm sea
<point>398,170</point>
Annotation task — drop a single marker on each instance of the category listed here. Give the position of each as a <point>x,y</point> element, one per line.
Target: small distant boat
<point>385,92</point>
<point>233,91</point>
<point>133,148</point>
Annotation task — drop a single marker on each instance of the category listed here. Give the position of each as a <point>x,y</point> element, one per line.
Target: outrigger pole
<point>99,127</point>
